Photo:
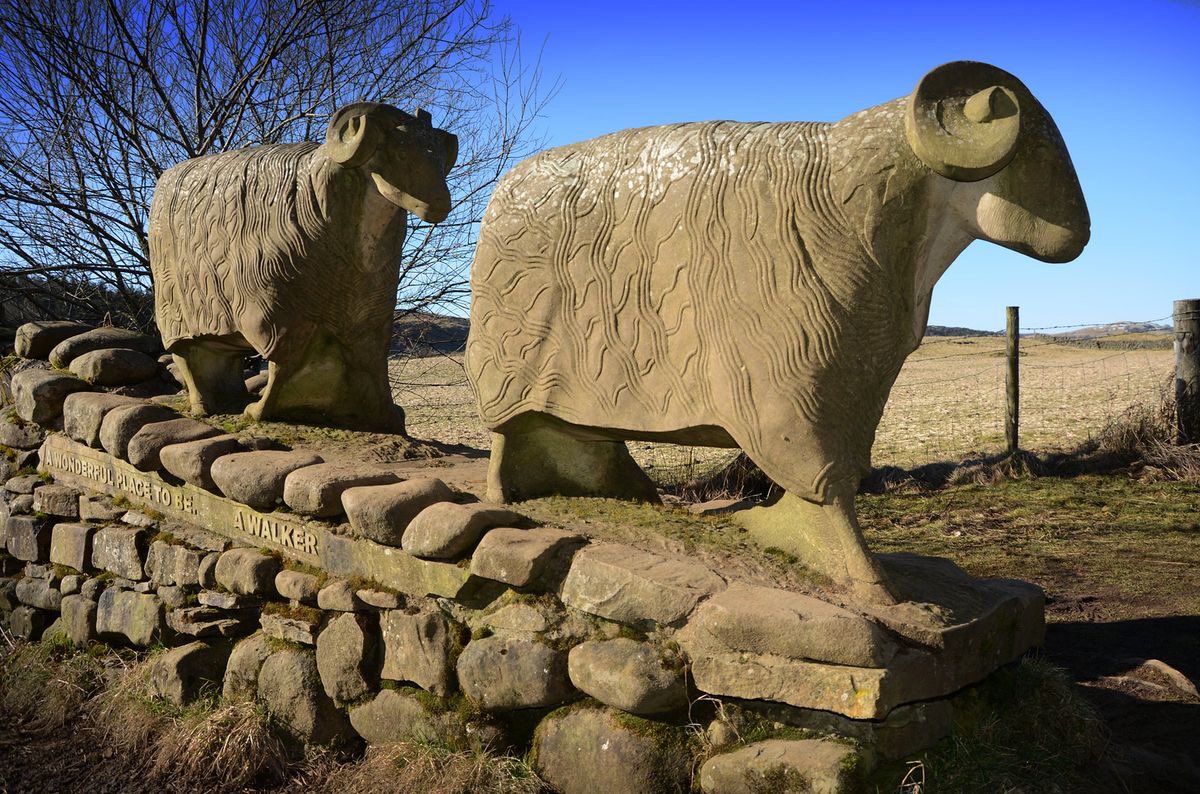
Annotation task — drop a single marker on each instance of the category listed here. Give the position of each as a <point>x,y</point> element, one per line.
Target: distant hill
<point>954,330</point>
<point>423,334</point>
<point>1116,329</point>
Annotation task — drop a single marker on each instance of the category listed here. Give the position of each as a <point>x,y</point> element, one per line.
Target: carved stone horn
<point>353,135</point>
<point>964,119</point>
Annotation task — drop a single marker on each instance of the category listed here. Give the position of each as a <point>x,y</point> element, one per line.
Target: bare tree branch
<point>97,99</point>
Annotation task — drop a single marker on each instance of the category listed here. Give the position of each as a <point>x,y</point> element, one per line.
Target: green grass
<point>299,612</point>
<point>1128,542</point>
<point>710,539</point>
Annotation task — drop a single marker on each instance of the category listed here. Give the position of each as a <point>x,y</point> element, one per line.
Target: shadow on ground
<point>1149,715</point>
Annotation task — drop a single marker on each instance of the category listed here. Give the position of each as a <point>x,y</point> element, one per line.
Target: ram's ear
<point>353,135</point>
<point>964,120</point>
<point>451,150</point>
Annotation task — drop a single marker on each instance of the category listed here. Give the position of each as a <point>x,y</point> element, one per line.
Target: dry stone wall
<point>364,605</point>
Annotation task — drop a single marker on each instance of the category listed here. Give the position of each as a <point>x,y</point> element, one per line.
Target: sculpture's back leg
<point>212,372</point>
<point>537,455</point>
<point>825,538</point>
<point>329,383</point>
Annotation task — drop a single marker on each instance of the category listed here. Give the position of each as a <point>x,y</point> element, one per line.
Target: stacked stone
<point>412,612</point>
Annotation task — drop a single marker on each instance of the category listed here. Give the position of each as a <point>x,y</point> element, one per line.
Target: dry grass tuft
<point>228,748</point>
<point>44,685</point>
<point>740,478</point>
<point>1140,428</point>
<point>219,746</point>
<point>418,768</point>
<point>125,713</point>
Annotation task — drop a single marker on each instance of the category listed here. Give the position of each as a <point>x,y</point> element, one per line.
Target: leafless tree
<point>99,97</point>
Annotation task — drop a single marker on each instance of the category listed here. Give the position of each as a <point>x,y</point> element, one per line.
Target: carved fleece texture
<point>690,276</point>
<point>246,242</point>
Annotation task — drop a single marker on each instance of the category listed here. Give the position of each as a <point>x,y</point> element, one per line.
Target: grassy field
<point>947,404</point>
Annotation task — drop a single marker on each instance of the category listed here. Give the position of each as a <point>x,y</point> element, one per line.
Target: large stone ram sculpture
<point>293,251</point>
<point>748,285</point>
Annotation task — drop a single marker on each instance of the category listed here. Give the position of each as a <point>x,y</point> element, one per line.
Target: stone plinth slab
<point>39,394</point>
<point>317,490</point>
<point>391,567</point>
<point>966,629</point>
<point>525,557</point>
<point>309,542</point>
<point>769,620</point>
<point>636,587</point>
<point>81,467</point>
<point>383,512</point>
<point>148,442</point>
<point>192,461</point>
<point>256,479</point>
<point>979,622</point>
<point>84,412</point>
<point>446,531</point>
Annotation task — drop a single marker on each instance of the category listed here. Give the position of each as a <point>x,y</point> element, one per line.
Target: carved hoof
<point>255,410</point>
<point>873,593</point>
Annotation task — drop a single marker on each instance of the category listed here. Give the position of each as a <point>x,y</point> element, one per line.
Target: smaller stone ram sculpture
<point>748,285</point>
<point>293,251</point>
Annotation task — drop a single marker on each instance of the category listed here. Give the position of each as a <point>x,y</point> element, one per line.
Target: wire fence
<point>947,404</point>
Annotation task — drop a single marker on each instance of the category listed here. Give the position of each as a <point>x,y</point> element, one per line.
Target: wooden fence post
<point>1187,371</point>
<point>1012,417</point>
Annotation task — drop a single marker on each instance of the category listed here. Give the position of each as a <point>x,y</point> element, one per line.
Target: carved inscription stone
<point>311,542</point>
<point>83,467</point>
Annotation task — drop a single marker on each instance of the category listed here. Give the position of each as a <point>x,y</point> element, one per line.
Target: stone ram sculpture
<point>752,285</point>
<point>293,251</point>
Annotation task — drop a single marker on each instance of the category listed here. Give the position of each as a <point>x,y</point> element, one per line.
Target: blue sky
<point>1121,79</point>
